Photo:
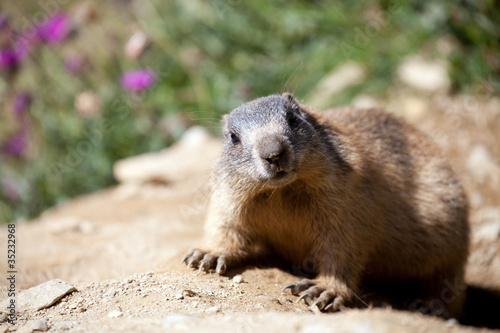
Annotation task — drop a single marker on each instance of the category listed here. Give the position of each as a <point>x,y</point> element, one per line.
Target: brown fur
<point>372,201</point>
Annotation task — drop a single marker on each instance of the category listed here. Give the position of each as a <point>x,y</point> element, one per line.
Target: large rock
<point>39,297</point>
<point>335,82</point>
<point>425,75</point>
<point>190,157</point>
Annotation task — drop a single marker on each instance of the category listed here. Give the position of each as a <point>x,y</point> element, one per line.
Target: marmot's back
<point>424,203</point>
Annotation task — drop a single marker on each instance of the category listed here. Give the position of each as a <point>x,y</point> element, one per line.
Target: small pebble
<point>115,314</point>
<point>213,309</point>
<point>189,293</point>
<point>451,322</point>
<point>238,278</point>
<point>179,296</point>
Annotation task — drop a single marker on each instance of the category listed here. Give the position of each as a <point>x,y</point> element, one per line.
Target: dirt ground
<point>121,247</point>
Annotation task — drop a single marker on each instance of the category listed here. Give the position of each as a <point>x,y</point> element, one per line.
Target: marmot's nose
<point>273,150</point>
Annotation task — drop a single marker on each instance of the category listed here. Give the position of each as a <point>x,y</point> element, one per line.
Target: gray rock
<point>62,325</point>
<point>41,296</point>
<point>192,155</point>
<point>37,325</point>
<point>213,310</point>
<point>335,82</point>
<point>429,76</point>
<point>365,102</point>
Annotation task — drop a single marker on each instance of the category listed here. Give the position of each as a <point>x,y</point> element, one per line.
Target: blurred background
<point>85,83</point>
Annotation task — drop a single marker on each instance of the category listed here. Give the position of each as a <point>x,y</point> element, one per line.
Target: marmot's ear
<point>291,102</point>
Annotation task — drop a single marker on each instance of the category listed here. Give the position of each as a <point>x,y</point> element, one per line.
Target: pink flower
<point>22,48</point>
<point>55,29</point>
<point>11,189</point>
<point>22,103</point>
<point>138,80</point>
<point>17,144</point>
<point>73,64</point>
<point>3,21</point>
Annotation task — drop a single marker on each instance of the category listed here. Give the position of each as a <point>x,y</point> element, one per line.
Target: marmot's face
<point>265,141</point>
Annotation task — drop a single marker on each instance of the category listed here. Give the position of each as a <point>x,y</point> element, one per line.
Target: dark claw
<point>207,263</point>
<point>317,297</point>
<point>336,305</point>
<point>195,258</point>
<point>306,297</point>
<point>203,267</point>
<point>329,308</point>
<point>192,262</point>
<point>221,265</point>
<point>310,294</point>
<point>297,288</point>
<point>190,253</point>
<point>324,299</point>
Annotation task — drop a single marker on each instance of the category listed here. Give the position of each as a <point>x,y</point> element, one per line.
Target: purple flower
<point>138,80</point>
<point>12,56</point>
<point>21,103</point>
<point>3,21</point>
<point>8,58</point>
<point>17,144</point>
<point>73,64</point>
<point>55,29</point>
<point>22,48</point>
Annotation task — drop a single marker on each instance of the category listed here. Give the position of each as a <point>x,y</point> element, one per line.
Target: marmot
<point>358,196</point>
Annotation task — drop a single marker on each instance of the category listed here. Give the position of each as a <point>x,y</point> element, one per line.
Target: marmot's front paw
<point>205,261</point>
<point>326,297</point>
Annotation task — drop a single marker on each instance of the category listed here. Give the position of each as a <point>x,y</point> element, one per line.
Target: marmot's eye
<point>290,117</point>
<point>234,137</point>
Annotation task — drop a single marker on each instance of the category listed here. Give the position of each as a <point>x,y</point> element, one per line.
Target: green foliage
<point>209,57</point>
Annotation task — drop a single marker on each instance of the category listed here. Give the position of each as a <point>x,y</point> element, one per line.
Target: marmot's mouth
<point>281,178</point>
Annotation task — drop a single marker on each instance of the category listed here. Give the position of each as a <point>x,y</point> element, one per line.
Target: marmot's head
<point>266,141</point>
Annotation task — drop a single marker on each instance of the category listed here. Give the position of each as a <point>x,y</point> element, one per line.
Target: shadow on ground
<point>482,307</point>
